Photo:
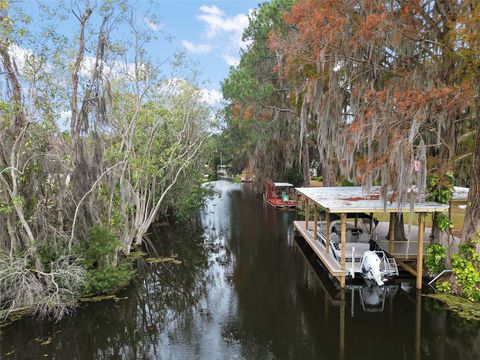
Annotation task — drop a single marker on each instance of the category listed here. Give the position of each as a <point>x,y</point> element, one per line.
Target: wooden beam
<point>391,234</point>
<point>327,232</point>
<point>407,267</point>
<point>421,232</point>
<point>315,222</point>
<point>307,212</point>
<point>343,238</point>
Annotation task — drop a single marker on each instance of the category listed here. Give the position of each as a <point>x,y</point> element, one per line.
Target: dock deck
<point>402,250</point>
<point>327,259</point>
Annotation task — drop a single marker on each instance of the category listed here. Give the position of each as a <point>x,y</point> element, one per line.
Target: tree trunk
<point>442,238</point>
<point>19,118</point>
<point>306,164</point>
<point>399,229</point>
<point>328,174</point>
<point>471,225</point>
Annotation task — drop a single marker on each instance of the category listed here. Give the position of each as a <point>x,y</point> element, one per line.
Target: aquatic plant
<point>463,308</point>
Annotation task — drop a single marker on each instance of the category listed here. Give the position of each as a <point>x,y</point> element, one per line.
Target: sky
<point>209,32</point>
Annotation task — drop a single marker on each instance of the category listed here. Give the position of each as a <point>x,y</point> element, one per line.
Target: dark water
<point>246,289</point>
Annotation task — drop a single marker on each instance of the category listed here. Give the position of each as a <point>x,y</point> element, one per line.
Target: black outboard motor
<point>373,245</point>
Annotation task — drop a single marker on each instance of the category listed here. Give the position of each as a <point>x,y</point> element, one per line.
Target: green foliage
<point>98,251</point>
<point>444,287</point>
<point>50,250</point>
<point>255,123</point>
<point>5,208</point>
<point>100,245</point>
<point>440,187</point>
<point>190,199</point>
<point>108,279</point>
<point>294,176</point>
<point>435,258</point>
<point>465,265</point>
<point>443,221</point>
<point>240,85</point>
<point>346,182</point>
<point>466,251</point>
<point>467,277</point>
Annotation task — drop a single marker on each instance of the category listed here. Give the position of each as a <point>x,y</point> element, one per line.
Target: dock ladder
<point>391,267</point>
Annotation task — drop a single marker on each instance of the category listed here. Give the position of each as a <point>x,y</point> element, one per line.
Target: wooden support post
<point>327,232</point>
<point>343,238</point>
<point>356,220</point>
<point>421,231</point>
<point>307,212</point>
<point>315,222</point>
<point>391,234</point>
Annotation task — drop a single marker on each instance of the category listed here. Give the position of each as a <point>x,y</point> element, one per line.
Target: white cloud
<point>225,30</point>
<point>230,60</point>
<point>113,70</point>
<point>211,97</point>
<point>196,48</point>
<point>152,25</point>
<point>173,87</point>
<point>217,21</point>
<point>213,10</point>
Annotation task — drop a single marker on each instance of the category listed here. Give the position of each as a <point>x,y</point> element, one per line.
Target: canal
<point>243,287</point>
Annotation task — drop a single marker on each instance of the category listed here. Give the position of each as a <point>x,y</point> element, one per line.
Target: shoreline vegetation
<point>8,317</point>
<point>98,144</point>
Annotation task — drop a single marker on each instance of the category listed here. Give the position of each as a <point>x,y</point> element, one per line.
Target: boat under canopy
<point>350,240</point>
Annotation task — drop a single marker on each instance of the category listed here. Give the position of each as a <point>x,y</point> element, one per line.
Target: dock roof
<point>282,184</point>
<point>352,199</point>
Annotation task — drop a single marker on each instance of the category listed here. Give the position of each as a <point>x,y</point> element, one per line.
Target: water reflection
<point>246,289</point>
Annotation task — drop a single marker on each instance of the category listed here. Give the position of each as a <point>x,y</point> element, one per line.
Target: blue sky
<point>209,32</point>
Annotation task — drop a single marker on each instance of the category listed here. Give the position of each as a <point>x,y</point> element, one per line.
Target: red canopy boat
<point>280,194</point>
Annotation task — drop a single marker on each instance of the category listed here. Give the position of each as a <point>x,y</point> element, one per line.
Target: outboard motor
<point>373,245</point>
<point>371,267</point>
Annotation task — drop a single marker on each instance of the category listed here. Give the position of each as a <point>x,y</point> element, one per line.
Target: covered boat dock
<point>352,200</point>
